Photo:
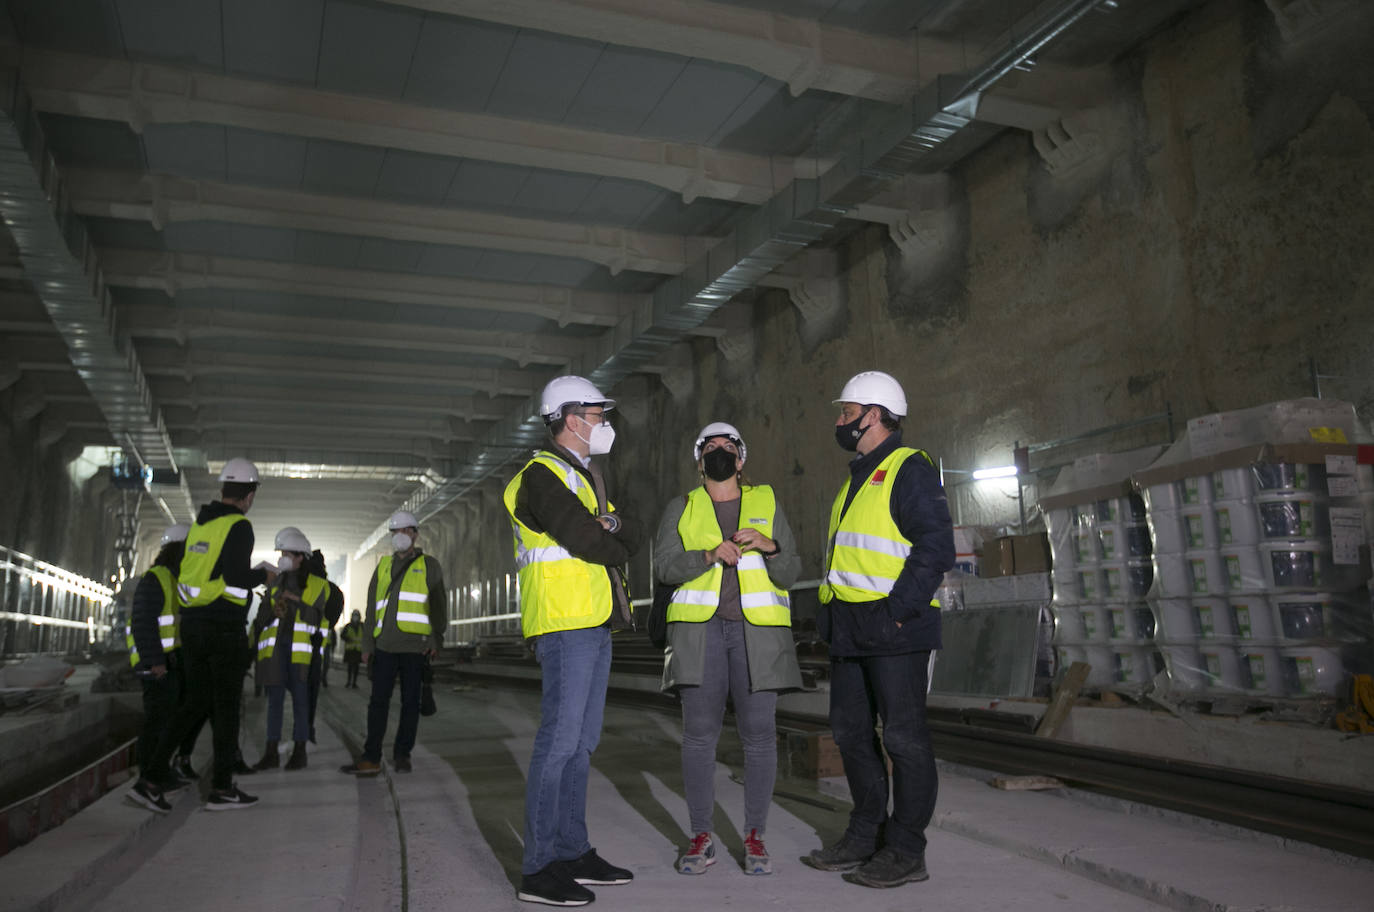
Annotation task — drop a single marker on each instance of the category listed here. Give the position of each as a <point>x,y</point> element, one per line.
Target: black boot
<point>297,761</point>
<point>270,759</point>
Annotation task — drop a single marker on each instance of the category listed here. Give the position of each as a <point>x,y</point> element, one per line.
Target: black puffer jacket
<point>921,512</point>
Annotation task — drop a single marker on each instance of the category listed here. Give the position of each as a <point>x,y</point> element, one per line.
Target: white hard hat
<point>402,519</point>
<point>175,533</point>
<point>240,470</point>
<point>560,391</point>
<point>292,539</point>
<point>875,388</point>
<point>720,429</point>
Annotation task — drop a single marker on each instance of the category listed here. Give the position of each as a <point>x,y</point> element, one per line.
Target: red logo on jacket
<point>878,477</point>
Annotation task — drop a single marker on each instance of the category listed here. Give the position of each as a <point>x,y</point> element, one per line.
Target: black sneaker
<point>150,796</point>
<point>889,868</point>
<point>231,799</point>
<point>553,887</point>
<point>591,868</point>
<point>845,855</point>
<point>401,764</point>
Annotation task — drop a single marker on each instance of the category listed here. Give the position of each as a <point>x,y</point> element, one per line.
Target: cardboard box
<point>809,755</point>
<point>999,558</point>
<point>1013,554</point>
<point>1031,553</point>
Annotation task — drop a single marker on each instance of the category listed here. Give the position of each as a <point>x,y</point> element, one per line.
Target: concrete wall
<point>1192,241</point>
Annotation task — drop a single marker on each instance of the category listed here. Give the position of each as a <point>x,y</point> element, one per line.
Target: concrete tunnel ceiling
<point>351,240</point>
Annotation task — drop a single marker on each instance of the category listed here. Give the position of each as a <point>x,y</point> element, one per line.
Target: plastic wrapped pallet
<point>1259,519</point>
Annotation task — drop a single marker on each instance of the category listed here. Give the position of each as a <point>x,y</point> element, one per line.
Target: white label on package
<point>1347,534</point>
<point>1340,464</point>
<point>1342,486</point>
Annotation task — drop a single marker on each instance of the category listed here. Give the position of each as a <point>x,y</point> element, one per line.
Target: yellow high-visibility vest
<point>865,551</point>
<point>414,592</point>
<point>696,600</point>
<point>203,546</point>
<point>353,637</point>
<point>168,626</point>
<point>315,593</point>
<point>557,591</point>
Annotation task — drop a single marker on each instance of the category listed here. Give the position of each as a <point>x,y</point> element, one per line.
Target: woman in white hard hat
<point>728,549</point>
<point>286,623</point>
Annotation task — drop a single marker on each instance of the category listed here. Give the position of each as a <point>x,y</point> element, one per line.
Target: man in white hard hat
<point>569,544</point>
<point>214,584</point>
<point>889,545</point>
<point>286,627</point>
<point>407,613</point>
<point>155,653</point>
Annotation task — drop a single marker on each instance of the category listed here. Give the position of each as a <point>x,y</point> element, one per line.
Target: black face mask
<point>718,464</point>
<point>847,435</point>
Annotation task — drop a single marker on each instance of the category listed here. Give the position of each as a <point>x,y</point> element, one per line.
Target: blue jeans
<point>386,668</point>
<point>576,666</point>
<point>300,705</point>
<point>893,688</point>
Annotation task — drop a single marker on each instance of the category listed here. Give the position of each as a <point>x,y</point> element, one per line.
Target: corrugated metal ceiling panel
<point>623,89</point>
<point>457,62</point>
<point>700,100</point>
<point>542,75</point>
<point>367,48</point>
<point>273,39</point>
<point>187,30</point>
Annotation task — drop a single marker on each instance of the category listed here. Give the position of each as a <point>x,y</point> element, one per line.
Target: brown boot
<point>297,761</point>
<point>270,760</point>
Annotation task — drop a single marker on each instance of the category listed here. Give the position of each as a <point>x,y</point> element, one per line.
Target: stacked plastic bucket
<point>1102,574</point>
<point>1248,598</point>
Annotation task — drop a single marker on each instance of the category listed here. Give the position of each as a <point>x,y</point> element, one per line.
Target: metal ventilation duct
<point>60,262</point>
<point>885,149</point>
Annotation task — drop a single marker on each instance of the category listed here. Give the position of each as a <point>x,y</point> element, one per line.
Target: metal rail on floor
<point>1340,819</point>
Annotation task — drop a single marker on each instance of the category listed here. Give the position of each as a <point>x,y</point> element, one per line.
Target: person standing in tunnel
<point>155,652</point>
<point>214,584</point>
<point>325,639</point>
<point>353,648</point>
<point>287,625</point>
<point>406,618</point>
<point>888,547</point>
<point>569,544</point>
<point>727,548</point>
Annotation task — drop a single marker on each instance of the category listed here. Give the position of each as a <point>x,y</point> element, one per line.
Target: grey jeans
<point>726,672</point>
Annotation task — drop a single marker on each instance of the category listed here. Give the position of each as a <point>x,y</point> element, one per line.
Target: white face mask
<point>286,563</point>
<point>401,542</point>
<point>603,436</point>
<point>600,439</point>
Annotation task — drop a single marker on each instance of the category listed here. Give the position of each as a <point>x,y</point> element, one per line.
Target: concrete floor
<point>321,840</point>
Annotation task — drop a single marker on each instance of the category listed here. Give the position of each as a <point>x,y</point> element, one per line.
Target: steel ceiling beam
<point>161,200</point>
<point>140,94</point>
<point>182,324</point>
<point>174,272</point>
<point>470,408</point>
<point>376,372</point>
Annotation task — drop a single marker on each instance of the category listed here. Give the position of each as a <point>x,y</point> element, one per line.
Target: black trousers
<point>161,697</point>
<point>213,655</point>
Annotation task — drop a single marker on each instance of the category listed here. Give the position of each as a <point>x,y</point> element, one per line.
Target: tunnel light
<point>998,472</point>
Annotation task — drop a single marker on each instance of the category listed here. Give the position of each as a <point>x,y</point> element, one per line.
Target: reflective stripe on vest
<point>133,649</point>
<point>315,595</point>
<point>353,637</point>
<point>557,591</point>
<point>865,551</point>
<point>203,546</point>
<point>168,622</point>
<point>414,591</point>
<point>696,600</point>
